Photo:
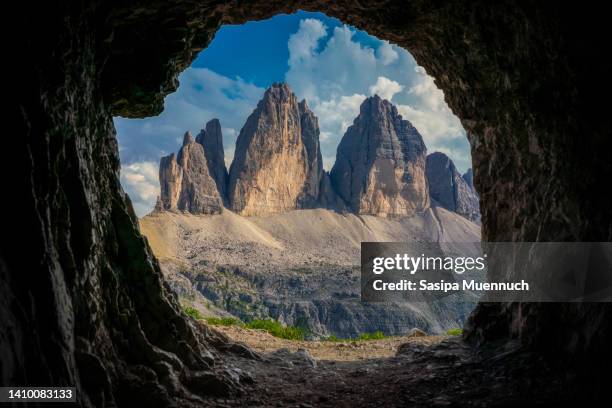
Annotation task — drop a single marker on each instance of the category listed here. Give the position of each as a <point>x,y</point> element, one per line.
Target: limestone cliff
<point>186,184</point>
<point>449,189</point>
<point>277,165</point>
<point>380,163</point>
<point>211,139</point>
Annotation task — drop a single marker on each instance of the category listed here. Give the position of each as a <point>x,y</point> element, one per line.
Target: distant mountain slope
<point>300,266</point>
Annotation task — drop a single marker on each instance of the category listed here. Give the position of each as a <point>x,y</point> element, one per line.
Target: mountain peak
<point>187,138</point>
<point>211,140</point>
<point>277,165</point>
<point>380,163</point>
<point>449,189</point>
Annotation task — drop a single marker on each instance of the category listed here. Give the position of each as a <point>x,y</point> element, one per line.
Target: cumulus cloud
<point>304,43</point>
<point>140,181</point>
<point>335,75</point>
<point>385,88</point>
<point>386,53</point>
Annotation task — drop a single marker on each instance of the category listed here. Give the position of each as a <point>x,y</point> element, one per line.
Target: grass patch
<point>276,329</point>
<point>193,312</point>
<point>223,321</point>
<point>377,335</point>
<point>455,332</point>
<point>273,327</point>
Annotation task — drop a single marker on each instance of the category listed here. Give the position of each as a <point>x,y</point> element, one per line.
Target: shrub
<point>455,332</point>
<point>223,321</point>
<point>377,335</point>
<point>276,329</point>
<point>192,312</point>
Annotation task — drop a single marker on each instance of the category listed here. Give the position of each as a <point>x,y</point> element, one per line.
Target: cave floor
<point>447,373</point>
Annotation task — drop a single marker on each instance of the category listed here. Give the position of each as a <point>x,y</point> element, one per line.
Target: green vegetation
<point>192,312</point>
<point>455,332</point>
<point>223,321</point>
<point>377,335</point>
<point>276,329</point>
<point>273,327</point>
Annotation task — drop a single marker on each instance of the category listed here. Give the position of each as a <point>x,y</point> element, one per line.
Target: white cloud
<point>337,114</point>
<point>386,53</point>
<point>304,43</point>
<point>385,88</point>
<point>140,181</point>
<point>334,77</point>
<point>328,162</point>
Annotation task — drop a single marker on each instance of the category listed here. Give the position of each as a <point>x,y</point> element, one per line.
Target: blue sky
<point>332,65</point>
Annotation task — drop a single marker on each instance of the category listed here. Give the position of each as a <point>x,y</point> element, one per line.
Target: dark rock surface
<point>469,178</point>
<point>186,183</point>
<point>380,163</point>
<point>87,305</point>
<point>277,166</point>
<point>211,138</point>
<point>449,189</point>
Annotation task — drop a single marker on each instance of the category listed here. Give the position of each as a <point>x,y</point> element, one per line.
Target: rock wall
<point>277,166</point>
<point>186,183</point>
<point>449,189</point>
<point>380,163</point>
<point>211,138</point>
<point>87,306</point>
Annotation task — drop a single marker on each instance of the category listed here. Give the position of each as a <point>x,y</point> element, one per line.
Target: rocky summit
<point>277,166</point>
<point>185,181</point>
<point>381,167</point>
<point>211,140</point>
<point>380,163</point>
<point>451,190</point>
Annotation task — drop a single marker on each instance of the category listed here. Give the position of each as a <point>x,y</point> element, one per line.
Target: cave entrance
<point>251,209</point>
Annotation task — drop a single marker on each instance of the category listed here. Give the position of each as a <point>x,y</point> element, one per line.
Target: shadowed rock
<point>380,163</point>
<point>211,139</point>
<point>449,189</point>
<point>186,184</point>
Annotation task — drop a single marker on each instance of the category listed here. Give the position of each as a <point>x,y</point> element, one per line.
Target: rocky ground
<point>420,372</point>
<point>264,343</point>
<point>300,267</point>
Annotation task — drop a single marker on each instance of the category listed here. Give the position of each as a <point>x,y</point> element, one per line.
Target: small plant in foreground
<point>455,332</point>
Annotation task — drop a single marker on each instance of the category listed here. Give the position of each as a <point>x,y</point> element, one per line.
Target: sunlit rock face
<point>186,184</point>
<point>380,163</point>
<point>449,189</point>
<point>277,166</point>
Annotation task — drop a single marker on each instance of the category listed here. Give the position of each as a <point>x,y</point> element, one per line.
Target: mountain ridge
<point>381,166</point>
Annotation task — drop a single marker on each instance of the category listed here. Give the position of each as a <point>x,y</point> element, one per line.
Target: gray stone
<point>380,163</point>
<point>186,184</point>
<point>211,139</point>
<point>449,189</point>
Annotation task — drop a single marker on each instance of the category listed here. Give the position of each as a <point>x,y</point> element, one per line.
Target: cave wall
<point>82,298</point>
